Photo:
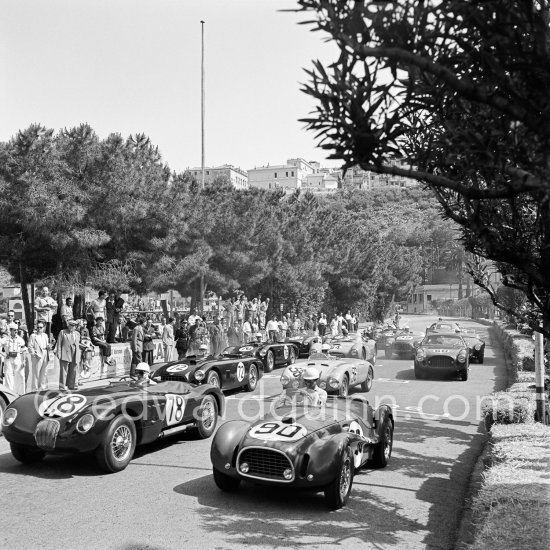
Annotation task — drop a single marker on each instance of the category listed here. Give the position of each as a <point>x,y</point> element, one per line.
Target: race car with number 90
<point>108,421</point>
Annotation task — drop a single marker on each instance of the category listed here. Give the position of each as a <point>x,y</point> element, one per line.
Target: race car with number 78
<point>108,421</point>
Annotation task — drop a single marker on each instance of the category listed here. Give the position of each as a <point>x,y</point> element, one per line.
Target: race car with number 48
<point>337,375</point>
<point>272,354</point>
<point>302,447</point>
<point>108,421</point>
<point>353,345</point>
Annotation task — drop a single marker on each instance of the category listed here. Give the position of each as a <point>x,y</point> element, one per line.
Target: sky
<point>134,66</point>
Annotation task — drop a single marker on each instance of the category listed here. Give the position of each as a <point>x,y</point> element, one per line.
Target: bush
<point>508,407</point>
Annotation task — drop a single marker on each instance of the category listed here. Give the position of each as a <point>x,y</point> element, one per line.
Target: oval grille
<point>265,464</point>
<point>441,362</point>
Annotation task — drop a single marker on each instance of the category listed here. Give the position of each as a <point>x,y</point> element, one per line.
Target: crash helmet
<point>259,335</point>
<point>203,347</point>
<point>311,373</point>
<point>143,367</point>
<point>325,348</point>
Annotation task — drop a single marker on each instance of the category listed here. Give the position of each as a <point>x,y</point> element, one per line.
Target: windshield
<point>443,327</point>
<point>443,340</point>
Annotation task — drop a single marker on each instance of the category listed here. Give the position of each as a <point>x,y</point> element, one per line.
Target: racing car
<point>449,326</point>
<point>108,421</point>
<point>382,337</point>
<point>445,352</point>
<point>235,368</point>
<point>354,345</point>
<point>403,344</point>
<point>300,447</point>
<point>337,375</point>
<point>304,343</point>
<point>271,354</point>
<point>6,397</point>
<point>477,347</point>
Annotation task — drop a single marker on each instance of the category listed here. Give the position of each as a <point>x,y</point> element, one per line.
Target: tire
<point>25,454</point>
<point>366,386</point>
<point>481,358</point>
<point>269,361</point>
<point>343,390</point>
<point>388,353</point>
<point>363,354</point>
<point>206,424</point>
<point>337,492</point>
<point>119,443</point>
<point>225,482</point>
<point>463,374</point>
<point>291,356</point>
<point>213,378</point>
<point>252,378</point>
<point>3,406</point>
<point>418,373</point>
<point>382,450</point>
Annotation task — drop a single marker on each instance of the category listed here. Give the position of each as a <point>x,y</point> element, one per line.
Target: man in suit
<point>39,347</point>
<point>168,340</point>
<point>137,345</point>
<point>67,351</point>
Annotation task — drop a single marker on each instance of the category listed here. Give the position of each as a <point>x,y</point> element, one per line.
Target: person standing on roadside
<point>168,340</point>
<point>149,333</point>
<point>97,308</point>
<point>14,369</point>
<point>272,329</point>
<point>322,325</point>
<point>136,345</point>
<point>67,312</point>
<point>67,351</point>
<point>39,349</point>
<point>45,305</point>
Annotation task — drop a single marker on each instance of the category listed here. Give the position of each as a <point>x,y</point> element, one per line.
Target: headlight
<point>9,416</point>
<point>287,474</point>
<point>85,423</point>
<point>477,347</point>
<point>420,355</point>
<point>199,375</point>
<point>244,468</point>
<point>285,380</point>
<point>461,357</point>
<point>323,385</point>
<point>333,383</point>
<point>263,353</point>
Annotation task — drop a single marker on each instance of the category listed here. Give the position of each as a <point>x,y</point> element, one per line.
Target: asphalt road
<point>166,498</point>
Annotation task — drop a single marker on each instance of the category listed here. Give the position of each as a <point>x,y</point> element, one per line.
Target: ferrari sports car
<point>271,354</point>
<point>449,326</point>
<point>302,447</point>
<point>304,343</point>
<point>442,353</point>
<point>337,375</point>
<point>108,421</point>
<point>383,337</point>
<point>353,345</point>
<point>403,344</point>
<point>477,347</point>
<point>6,397</point>
<point>234,368</point>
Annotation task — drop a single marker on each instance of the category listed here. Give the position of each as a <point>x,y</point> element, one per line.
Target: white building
<point>235,176</point>
<point>321,182</point>
<point>289,176</point>
<point>365,179</point>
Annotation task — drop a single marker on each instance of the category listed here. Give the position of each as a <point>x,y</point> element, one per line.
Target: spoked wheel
<point>382,450</point>
<point>291,356</point>
<point>208,417</point>
<point>269,361</point>
<point>337,492</point>
<point>213,379</point>
<point>367,384</point>
<point>252,378</point>
<point>118,445</point>
<point>344,387</point>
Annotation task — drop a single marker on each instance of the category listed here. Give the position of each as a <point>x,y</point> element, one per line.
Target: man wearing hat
<point>67,351</point>
<point>14,370</point>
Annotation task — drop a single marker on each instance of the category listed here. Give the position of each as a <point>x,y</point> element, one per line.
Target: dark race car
<point>449,326</point>
<point>403,344</point>
<point>442,353</point>
<point>299,446</point>
<point>382,337</point>
<point>304,343</point>
<point>6,397</point>
<point>231,370</point>
<point>272,354</point>
<point>477,348</point>
<point>108,421</point>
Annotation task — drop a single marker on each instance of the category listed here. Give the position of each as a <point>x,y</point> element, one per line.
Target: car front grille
<point>46,432</point>
<point>265,463</point>
<point>401,346</point>
<point>441,362</point>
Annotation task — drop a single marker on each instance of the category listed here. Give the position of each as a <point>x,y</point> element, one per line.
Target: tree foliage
<point>460,89</point>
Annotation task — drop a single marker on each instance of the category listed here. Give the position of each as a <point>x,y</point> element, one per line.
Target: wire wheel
<point>121,443</point>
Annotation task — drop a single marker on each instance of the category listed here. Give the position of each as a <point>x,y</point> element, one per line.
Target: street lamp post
<point>202,104</point>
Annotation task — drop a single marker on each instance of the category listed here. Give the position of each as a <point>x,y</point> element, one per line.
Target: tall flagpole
<point>202,104</point>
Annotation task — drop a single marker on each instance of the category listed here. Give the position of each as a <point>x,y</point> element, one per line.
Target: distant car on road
<point>353,345</point>
<point>403,344</point>
<point>304,343</point>
<point>445,352</point>
<point>477,347</point>
<point>449,326</point>
<point>298,447</point>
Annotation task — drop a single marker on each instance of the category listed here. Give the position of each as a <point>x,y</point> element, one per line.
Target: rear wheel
<point>208,416</point>
<point>382,450</point>
<point>213,379</point>
<point>269,361</point>
<point>291,356</point>
<point>337,492</point>
<point>367,384</point>
<point>481,357</point>
<point>252,378</point>
<point>363,354</point>
<point>224,482</point>
<point>26,454</point>
<point>344,387</point>
<point>119,443</point>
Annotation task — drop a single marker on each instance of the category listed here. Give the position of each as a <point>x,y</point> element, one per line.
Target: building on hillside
<point>321,182</point>
<point>365,179</point>
<point>235,176</point>
<point>289,176</point>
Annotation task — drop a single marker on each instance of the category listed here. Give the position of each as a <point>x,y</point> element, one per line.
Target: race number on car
<point>277,431</point>
<point>240,371</point>
<point>62,405</point>
<point>177,368</point>
<point>175,408</point>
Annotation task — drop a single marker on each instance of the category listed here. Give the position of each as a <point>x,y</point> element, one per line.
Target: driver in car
<point>312,391</point>
<point>142,376</point>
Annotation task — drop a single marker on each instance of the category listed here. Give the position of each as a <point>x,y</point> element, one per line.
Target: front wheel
<point>3,406</point>
<point>382,450</point>
<point>224,482</point>
<point>213,379</point>
<point>208,417</point>
<point>269,361</point>
<point>26,454</point>
<point>463,374</point>
<point>118,445</point>
<point>481,358</point>
<point>291,356</point>
<point>252,378</point>
<point>337,492</point>
<point>344,387</point>
<point>367,384</point>
<point>418,373</point>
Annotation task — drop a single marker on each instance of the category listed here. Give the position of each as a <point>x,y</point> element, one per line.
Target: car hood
<point>326,367</point>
